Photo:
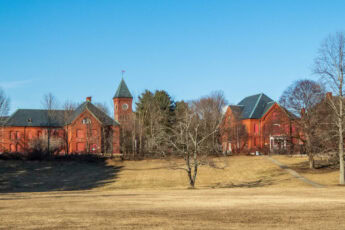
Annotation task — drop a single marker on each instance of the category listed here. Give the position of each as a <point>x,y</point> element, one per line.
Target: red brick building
<point>258,123</point>
<point>84,130</point>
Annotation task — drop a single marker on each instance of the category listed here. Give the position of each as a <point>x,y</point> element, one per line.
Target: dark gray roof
<point>123,91</point>
<point>99,114</point>
<point>254,107</point>
<point>40,118</point>
<point>36,118</point>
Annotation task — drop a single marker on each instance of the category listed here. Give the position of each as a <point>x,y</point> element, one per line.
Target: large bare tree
<point>103,107</point>
<point>330,66</point>
<point>4,104</point>
<point>50,104</point>
<point>68,108</point>
<point>301,98</point>
<point>191,136</point>
<point>210,109</point>
<point>4,110</point>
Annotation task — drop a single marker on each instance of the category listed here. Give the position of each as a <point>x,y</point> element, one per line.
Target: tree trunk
<point>341,142</point>
<point>311,161</point>
<point>48,144</point>
<point>310,152</point>
<point>189,171</point>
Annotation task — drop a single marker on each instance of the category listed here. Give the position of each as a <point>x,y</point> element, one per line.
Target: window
<point>80,147</point>
<point>13,148</point>
<point>13,135</point>
<point>86,121</point>
<point>30,135</point>
<point>256,128</point>
<point>80,133</point>
<point>19,148</point>
<point>18,134</point>
<point>94,133</point>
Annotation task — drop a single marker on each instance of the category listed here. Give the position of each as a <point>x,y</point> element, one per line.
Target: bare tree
<point>233,131</point>
<point>301,98</point>
<point>189,135</point>
<point>103,107</point>
<point>4,104</point>
<point>210,108</point>
<point>330,66</point>
<point>68,108</point>
<point>4,109</point>
<point>50,104</point>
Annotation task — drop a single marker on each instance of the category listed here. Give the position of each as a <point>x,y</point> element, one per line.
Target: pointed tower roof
<point>123,91</point>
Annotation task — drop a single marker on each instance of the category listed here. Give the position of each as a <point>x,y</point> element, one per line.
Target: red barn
<point>84,130</point>
<point>257,123</point>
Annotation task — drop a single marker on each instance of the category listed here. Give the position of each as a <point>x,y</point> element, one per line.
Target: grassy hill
<point>237,171</point>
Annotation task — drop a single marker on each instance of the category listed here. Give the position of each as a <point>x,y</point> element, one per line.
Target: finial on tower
<point>123,72</point>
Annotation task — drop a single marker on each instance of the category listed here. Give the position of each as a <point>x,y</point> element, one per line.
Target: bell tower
<point>123,104</point>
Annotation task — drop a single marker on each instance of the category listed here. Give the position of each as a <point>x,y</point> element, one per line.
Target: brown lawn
<point>250,193</point>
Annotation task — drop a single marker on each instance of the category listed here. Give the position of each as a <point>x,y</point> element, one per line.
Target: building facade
<point>257,123</point>
<point>87,129</point>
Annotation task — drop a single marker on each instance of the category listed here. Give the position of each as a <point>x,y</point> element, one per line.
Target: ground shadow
<point>250,184</point>
<point>320,167</point>
<point>36,176</point>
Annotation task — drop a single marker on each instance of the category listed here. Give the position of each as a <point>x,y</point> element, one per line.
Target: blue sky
<point>74,49</point>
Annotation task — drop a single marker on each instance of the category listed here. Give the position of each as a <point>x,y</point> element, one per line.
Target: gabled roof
<point>123,91</point>
<point>99,114</point>
<point>254,107</point>
<point>40,118</point>
<point>36,118</point>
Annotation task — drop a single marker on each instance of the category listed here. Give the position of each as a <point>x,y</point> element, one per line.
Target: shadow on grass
<point>250,184</point>
<point>44,176</point>
<point>268,178</point>
<point>320,167</point>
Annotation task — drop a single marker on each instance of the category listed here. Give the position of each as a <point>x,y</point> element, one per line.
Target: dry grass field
<point>250,193</point>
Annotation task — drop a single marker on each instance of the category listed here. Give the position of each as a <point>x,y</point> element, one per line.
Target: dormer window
<point>86,121</point>
<point>29,120</point>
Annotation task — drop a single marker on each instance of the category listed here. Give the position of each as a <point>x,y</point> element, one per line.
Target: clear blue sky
<point>189,48</point>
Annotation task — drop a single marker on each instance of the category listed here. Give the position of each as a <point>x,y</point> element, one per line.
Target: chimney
<point>302,112</point>
<point>329,95</point>
<point>88,99</point>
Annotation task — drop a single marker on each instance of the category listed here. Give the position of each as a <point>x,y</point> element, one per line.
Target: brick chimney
<point>89,99</point>
<point>329,95</point>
